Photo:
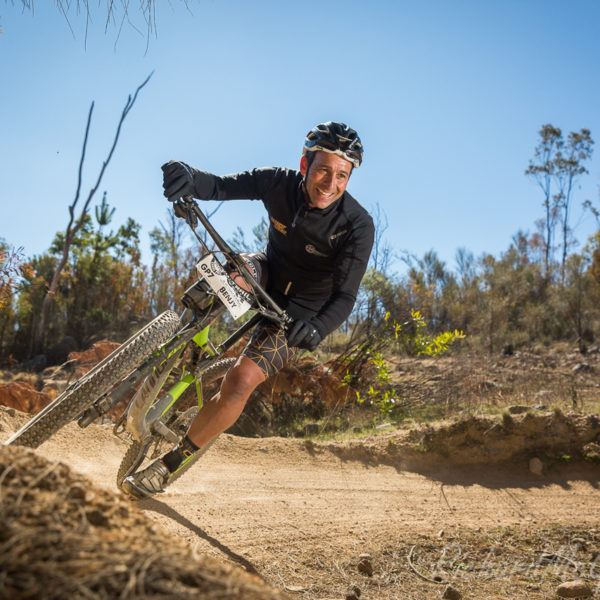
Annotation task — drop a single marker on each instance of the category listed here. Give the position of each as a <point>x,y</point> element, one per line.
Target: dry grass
<point>479,384</point>
<point>456,386</point>
<point>61,537</point>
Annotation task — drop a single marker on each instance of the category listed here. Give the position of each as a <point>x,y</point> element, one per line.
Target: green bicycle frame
<point>170,398</point>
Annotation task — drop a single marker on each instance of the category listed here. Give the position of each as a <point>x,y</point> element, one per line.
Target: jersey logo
<point>312,250</point>
<point>279,226</point>
<point>335,235</point>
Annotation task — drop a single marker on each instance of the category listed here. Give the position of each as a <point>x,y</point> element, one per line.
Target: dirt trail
<point>300,517</point>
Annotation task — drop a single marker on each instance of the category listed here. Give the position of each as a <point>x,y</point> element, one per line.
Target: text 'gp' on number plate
<point>218,279</point>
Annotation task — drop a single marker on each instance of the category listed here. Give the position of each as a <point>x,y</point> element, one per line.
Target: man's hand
<point>181,210</point>
<point>178,180</point>
<point>303,335</point>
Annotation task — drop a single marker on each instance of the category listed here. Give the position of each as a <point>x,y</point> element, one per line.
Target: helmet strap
<point>310,156</point>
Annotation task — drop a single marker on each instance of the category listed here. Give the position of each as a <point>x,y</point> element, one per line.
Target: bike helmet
<point>336,138</point>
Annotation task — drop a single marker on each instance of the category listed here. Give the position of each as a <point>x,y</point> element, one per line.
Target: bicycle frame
<point>142,424</point>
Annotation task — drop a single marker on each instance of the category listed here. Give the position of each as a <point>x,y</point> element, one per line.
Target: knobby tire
<point>96,382</point>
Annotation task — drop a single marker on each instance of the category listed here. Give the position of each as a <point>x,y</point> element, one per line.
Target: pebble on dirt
<point>536,466</point>
<point>295,588</point>
<point>574,589</point>
<point>451,593</point>
<point>365,566</point>
<point>353,593</point>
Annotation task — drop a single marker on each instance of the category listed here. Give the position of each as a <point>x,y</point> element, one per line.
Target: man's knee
<point>241,380</point>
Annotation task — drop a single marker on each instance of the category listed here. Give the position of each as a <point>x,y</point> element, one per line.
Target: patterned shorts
<point>268,348</point>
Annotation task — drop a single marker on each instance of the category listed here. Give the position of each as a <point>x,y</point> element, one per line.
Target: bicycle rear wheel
<point>97,381</point>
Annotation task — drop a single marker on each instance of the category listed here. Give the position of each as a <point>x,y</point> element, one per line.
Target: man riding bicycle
<point>319,243</point>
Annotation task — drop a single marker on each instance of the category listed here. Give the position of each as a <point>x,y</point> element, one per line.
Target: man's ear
<point>303,165</point>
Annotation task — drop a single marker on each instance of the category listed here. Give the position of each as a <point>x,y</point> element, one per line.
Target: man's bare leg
<point>226,405</point>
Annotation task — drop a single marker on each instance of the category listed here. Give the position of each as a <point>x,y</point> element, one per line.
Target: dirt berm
<point>481,441</point>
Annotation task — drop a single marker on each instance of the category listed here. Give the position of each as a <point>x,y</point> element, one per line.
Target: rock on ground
<point>574,589</point>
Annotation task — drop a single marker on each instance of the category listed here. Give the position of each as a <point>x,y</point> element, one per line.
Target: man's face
<point>327,178</point>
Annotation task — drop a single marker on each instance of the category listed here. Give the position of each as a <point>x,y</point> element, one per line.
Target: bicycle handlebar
<point>233,258</point>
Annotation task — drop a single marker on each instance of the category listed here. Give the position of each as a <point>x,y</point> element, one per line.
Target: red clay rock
<point>24,397</point>
<point>87,359</point>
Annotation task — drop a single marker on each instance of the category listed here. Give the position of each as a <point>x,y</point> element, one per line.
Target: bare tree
<point>556,167</point>
<point>569,166</point>
<point>381,254</point>
<point>76,222</point>
<point>542,168</point>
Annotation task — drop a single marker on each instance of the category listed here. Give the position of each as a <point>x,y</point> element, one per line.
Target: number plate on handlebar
<point>215,275</point>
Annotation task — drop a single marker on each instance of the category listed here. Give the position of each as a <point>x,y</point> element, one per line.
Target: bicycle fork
<point>156,363</point>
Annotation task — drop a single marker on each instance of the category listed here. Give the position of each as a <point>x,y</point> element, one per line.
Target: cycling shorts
<point>268,348</point>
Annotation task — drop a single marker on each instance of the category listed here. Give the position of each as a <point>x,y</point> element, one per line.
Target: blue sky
<point>448,97</point>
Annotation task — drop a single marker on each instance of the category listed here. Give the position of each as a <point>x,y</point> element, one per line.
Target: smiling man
<point>320,239</point>
<point>327,178</point>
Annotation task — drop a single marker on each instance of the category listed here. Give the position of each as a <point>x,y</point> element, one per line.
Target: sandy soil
<point>301,517</point>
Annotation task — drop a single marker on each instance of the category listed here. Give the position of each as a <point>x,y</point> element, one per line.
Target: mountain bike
<point>156,418</point>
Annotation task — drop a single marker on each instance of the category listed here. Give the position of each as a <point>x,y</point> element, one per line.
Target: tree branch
<point>72,230</point>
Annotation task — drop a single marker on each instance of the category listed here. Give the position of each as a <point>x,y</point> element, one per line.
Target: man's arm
<point>351,267</point>
<point>180,180</point>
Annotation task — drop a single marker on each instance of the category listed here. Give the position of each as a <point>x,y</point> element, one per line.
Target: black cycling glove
<point>303,334</point>
<point>178,180</point>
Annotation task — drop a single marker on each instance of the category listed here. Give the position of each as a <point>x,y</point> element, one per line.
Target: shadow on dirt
<point>494,453</point>
<point>512,474</point>
<point>154,505</point>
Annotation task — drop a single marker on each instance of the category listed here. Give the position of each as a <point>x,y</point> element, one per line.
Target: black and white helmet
<point>336,138</point>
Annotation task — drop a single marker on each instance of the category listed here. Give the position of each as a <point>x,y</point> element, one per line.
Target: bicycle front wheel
<point>97,381</point>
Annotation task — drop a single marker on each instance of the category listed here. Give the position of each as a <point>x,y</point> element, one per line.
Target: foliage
<point>168,264</point>
<point>259,238</point>
<point>382,393</point>
<point>12,269</point>
<point>415,341</point>
<point>411,337</point>
<point>102,290</point>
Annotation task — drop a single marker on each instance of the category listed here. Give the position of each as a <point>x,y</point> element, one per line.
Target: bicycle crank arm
<point>161,429</point>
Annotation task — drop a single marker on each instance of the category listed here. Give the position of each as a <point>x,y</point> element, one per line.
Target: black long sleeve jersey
<point>317,257</point>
